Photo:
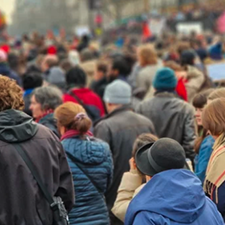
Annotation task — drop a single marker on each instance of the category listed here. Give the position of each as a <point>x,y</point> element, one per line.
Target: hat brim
<point>142,162</point>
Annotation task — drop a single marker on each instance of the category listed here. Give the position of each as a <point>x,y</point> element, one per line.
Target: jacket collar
<point>166,94</point>
<point>115,112</point>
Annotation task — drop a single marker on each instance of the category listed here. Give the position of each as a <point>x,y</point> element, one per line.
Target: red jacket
<point>88,97</point>
<point>181,89</point>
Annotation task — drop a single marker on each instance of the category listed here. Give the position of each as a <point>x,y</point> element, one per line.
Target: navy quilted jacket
<point>95,158</point>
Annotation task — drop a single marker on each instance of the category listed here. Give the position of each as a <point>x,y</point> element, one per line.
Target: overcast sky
<point>7,7</point>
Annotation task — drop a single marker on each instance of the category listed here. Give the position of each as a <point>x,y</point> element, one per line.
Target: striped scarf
<point>215,174</point>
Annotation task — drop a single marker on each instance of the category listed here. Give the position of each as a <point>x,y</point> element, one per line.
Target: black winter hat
<point>162,155</point>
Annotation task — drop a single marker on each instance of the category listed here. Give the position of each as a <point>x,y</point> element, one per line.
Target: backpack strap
<point>87,109</point>
<point>79,165</point>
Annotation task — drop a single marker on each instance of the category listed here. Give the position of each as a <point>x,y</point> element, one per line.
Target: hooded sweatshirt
<point>173,197</point>
<point>22,201</point>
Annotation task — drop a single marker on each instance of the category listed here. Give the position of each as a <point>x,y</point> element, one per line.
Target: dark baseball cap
<point>162,155</point>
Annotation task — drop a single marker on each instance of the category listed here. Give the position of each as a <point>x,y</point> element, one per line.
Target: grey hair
<point>49,97</point>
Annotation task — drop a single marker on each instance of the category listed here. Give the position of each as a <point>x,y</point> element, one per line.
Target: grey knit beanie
<point>118,92</point>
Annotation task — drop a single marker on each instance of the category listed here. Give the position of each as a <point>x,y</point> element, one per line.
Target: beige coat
<point>146,76</point>
<point>130,186</point>
<point>195,80</point>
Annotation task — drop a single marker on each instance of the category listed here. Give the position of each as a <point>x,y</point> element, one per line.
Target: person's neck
<point>165,90</point>
<point>114,108</point>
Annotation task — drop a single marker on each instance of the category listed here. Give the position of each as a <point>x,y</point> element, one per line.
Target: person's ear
<point>148,178</point>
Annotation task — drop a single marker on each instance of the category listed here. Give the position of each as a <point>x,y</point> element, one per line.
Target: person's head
<point>57,77</point>
<point>162,155</point>
<point>119,67</point>
<point>217,93</point>
<point>213,117</point>
<point>49,62</point>
<point>179,71</point>
<point>45,99</point>
<point>165,80</point>
<point>13,61</point>
<point>147,55</point>
<point>102,70</point>
<point>3,56</point>
<point>11,95</point>
<point>86,55</point>
<point>33,69</point>
<point>74,58</point>
<point>117,94</point>
<point>32,80</point>
<point>142,140</point>
<point>199,102</point>
<point>183,46</point>
<point>188,58</point>
<point>76,77</point>
<point>66,65</point>
<point>71,116</point>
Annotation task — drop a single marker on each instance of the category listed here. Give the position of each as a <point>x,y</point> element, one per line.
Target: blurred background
<point>117,17</point>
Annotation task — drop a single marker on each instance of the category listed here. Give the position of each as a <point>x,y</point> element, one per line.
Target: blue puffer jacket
<point>95,158</point>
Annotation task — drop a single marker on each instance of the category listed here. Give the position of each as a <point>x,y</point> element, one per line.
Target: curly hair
<point>11,95</point>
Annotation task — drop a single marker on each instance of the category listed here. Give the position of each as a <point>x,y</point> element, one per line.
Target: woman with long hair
<point>213,120</point>
<point>204,142</point>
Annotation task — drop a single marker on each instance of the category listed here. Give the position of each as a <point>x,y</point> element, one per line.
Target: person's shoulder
<point>142,118</point>
<point>208,140</point>
<point>184,105</point>
<point>93,94</point>
<point>46,133</point>
<point>150,218</point>
<point>212,209</point>
<point>102,122</point>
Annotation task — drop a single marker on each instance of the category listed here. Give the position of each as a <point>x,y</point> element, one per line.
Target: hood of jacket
<point>89,151</point>
<point>174,194</point>
<point>16,126</point>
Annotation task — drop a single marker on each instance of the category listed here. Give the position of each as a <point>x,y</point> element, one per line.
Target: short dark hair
<point>102,67</point>
<point>76,77</point>
<point>187,58</point>
<point>201,98</point>
<point>32,80</point>
<point>120,64</point>
<point>142,140</point>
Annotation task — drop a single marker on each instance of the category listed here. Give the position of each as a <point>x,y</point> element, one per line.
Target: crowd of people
<point>131,135</point>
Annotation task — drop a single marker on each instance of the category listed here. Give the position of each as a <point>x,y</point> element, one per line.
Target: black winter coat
<point>120,129</point>
<point>22,202</point>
